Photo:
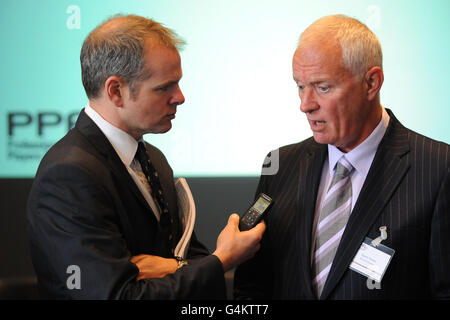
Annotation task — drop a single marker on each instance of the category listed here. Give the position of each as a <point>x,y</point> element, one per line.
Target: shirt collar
<point>362,156</point>
<point>124,144</point>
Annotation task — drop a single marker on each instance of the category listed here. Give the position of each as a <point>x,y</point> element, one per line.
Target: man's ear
<point>374,79</point>
<point>114,89</point>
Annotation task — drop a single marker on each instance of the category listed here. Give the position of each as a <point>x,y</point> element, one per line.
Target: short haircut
<point>116,47</point>
<point>361,49</point>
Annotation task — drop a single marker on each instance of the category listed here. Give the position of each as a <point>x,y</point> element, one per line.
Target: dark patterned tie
<point>155,186</point>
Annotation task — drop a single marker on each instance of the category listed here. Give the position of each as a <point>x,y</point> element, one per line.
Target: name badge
<point>372,259</point>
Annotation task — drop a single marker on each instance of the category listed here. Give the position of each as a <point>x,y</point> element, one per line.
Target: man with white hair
<point>362,208</point>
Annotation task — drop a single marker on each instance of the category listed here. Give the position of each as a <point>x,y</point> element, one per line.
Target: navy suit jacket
<point>85,209</point>
<point>407,189</point>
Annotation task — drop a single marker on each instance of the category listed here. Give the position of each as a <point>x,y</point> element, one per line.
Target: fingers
<point>260,227</point>
<point>233,246</point>
<point>257,231</point>
<point>233,220</point>
<point>234,217</point>
<point>138,258</point>
<point>256,234</point>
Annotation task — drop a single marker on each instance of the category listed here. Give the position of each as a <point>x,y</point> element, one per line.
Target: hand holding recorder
<point>240,239</point>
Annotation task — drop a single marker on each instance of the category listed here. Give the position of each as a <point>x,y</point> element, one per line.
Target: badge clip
<point>383,236</point>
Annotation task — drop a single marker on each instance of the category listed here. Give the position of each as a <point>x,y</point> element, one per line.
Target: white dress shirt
<point>125,147</point>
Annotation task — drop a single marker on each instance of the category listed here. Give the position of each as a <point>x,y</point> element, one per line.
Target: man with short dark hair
<point>104,201</point>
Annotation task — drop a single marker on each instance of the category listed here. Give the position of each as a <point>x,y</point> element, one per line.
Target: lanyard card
<point>372,261</point>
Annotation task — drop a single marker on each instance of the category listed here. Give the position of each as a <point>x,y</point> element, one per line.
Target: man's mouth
<point>317,122</point>
<point>317,125</point>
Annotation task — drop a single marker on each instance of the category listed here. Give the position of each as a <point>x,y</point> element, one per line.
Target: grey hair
<point>116,47</point>
<point>361,49</point>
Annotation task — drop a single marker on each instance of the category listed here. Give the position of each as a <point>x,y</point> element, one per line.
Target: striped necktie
<point>334,214</point>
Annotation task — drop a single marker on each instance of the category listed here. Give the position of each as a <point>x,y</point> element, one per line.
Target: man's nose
<point>308,102</point>
<point>178,97</point>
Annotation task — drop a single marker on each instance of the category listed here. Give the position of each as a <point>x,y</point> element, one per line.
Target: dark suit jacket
<point>407,189</point>
<point>84,209</point>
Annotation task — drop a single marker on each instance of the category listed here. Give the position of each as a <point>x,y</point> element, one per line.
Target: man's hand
<point>234,246</point>
<point>153,266</point>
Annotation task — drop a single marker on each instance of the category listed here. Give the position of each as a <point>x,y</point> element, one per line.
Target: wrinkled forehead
<point>318,61</point>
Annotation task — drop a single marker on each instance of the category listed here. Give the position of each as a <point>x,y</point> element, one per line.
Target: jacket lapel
<point>96,137</point>
<point>310,174</point>
<point>387,170</point>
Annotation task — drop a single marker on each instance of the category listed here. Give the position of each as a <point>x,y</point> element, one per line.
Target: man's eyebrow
<point>167,83</point>
<point>315,81</point>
